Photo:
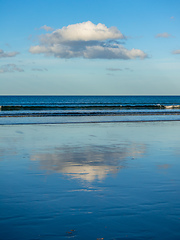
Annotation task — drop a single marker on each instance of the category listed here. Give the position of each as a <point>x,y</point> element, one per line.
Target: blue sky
<point>63,47</point>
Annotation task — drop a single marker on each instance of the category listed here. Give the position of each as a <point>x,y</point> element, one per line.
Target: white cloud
<point>117,52</point>
<point>85,40</point>
<point>163,35</point>
<point>10,68</point>
<point>7,54</point>
<point>86,31</point>
<point>48,29</point>
<point>176,51</point>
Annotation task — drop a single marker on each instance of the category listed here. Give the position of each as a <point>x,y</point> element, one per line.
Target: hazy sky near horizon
<point>68,47</point>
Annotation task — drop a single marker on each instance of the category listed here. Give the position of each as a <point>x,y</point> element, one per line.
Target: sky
<point>68,47</point>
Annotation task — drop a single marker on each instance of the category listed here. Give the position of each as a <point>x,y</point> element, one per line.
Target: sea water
<point>100,181</point>
<point>88,179</point>
<point>66,109</point>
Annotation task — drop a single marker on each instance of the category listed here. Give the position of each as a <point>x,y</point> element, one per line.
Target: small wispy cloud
<point>10,68</point>
<point>47,28</point>
<point>7,54</point>
<point>176,51</point>
<point>39,69</point>
<point>114,69</point>
<point>163,35</point>
<point>119,69</point>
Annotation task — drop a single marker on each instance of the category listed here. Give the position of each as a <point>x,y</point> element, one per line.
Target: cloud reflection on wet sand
<point>88,162</point>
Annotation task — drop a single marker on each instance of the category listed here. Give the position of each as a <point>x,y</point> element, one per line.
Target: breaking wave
<point>86,107</point>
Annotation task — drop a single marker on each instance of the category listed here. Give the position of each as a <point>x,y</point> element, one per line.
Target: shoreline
<point>87,119</point>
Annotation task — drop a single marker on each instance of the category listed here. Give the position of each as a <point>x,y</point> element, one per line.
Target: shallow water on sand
<point>90,181</point>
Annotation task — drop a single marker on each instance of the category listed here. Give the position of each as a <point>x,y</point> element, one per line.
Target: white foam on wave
<point>172,106</point>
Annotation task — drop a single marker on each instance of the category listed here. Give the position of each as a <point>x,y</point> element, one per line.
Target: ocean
<point>100,181</point>
<point>65,109</point>
<point>89,167</point>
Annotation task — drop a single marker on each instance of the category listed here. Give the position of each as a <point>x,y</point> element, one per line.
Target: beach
<point>89,120</point>
<point>115,180</point>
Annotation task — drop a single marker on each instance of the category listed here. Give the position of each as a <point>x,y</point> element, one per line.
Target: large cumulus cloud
<point>85,40</point>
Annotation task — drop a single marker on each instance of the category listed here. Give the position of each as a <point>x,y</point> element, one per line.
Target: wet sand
<point>90,181</point>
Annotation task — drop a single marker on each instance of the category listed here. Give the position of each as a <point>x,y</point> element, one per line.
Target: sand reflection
<point>88,162</point>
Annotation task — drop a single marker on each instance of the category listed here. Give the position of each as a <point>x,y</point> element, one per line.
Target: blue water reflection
<point>110,181</point>
<point>88,162</point>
